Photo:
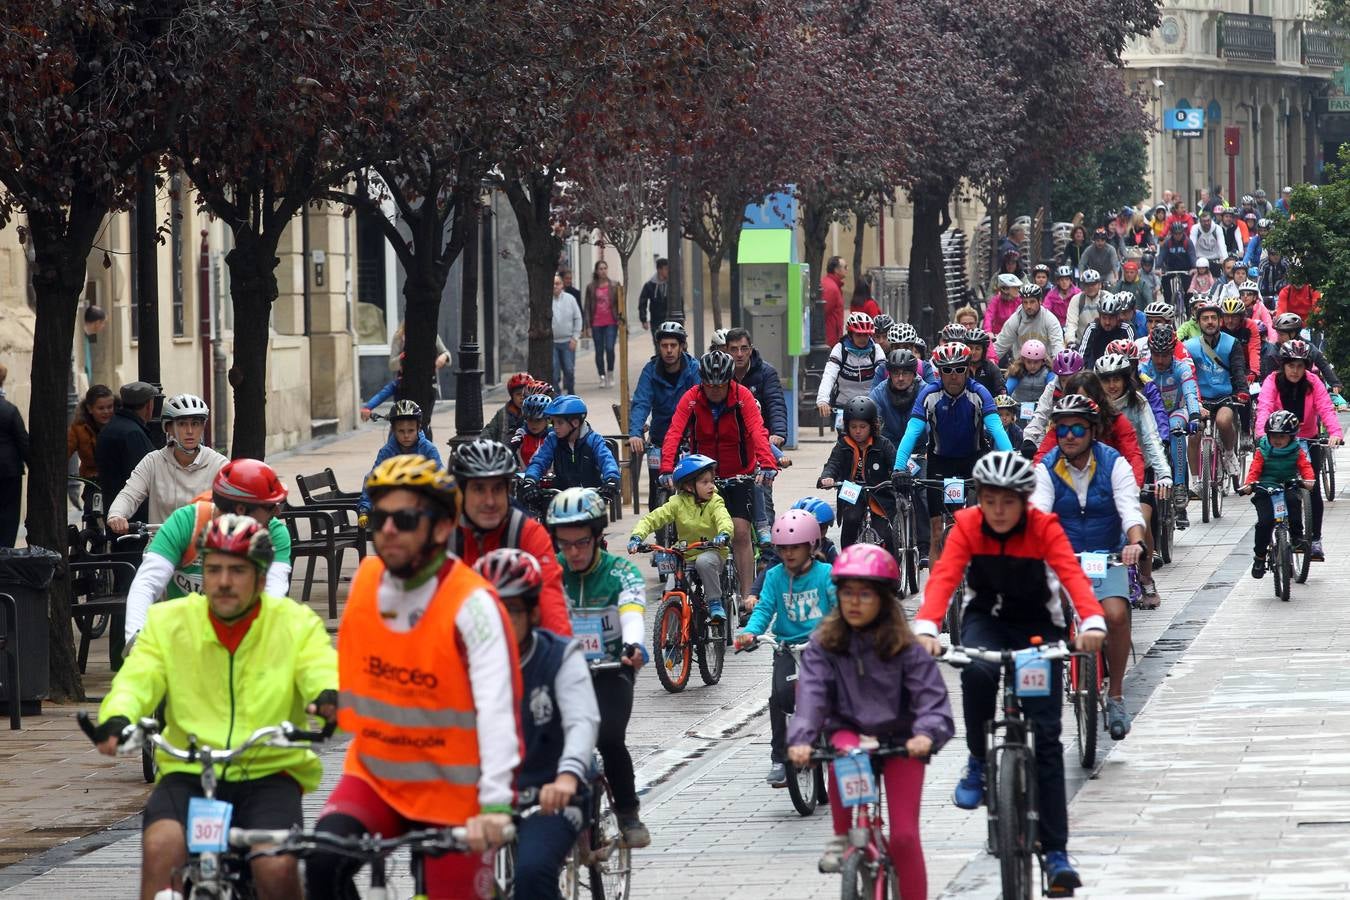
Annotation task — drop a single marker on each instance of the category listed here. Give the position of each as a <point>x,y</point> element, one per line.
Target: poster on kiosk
<point>775,294</point>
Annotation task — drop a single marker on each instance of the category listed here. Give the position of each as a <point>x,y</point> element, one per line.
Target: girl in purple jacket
<point>863,673</point>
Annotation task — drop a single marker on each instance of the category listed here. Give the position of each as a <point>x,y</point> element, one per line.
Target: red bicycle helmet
<point>514,573</point>
<point>248,481</point>
<point>238,536</point>
<point>518,380</point>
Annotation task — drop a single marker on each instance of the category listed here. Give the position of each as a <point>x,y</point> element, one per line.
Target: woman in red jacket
<point>1118,432</point>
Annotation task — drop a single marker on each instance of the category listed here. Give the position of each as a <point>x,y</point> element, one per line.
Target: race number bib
<point>589,633</point>
<point>1032,674</point>
<point>838,420</point>
<point>208,825</point>
<point>654,458</point>
<point>1281,507</point>
<point>856,784</point>
<point>954,491</point>
<point>849,492</point>
<point>1094,565</point>
<point>1028,410</point>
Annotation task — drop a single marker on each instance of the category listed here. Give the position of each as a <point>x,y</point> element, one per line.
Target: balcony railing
<point>1321,48</point>
<point>1247,37</point>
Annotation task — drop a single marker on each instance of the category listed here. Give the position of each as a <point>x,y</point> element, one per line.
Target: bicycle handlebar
<point>687,548</point>
<point>964,656</point>
<point>830,754</point>
<point>135,734</point>
<point>769,641</point>
<point>364,847</point>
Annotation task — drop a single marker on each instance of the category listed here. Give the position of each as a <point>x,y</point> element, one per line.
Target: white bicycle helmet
<point>1005,469</point>
<point>1063,272</point>
<point>1160,309</point>
<point>719,337</point>
<point>907,334</point>
<point>951,354</point>
<point>184,406</point>
<point>1112,364</point>
<point>1090,276</point>
<point>860,322</point>
<point>1009,280</point>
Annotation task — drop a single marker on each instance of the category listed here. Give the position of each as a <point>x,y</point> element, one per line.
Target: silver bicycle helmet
<point>184,406</point>
<point>671,329</point>
<point>1005,469</point>
<point>578,506</point>
<point>483,458</point>
<point>716,367</point>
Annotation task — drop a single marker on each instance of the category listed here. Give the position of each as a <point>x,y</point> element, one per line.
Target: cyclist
<point>1032,322</point>
<point>577,454</point>
<point>1278,459</point>
<point>192,655</point>
<point>532,434</point>
<point>1003,304</point>
<point>862,456</point>
<point>851,366</point>
<point>174,474</point>
<point>1175,254</point>
<point>1233,320</point>
<point>797,593</point>
<point>1083,306</point>
<point>825,550</point>
<point>1058,298</point>
<point>1175,380</point>
<point>1132,284</point>
<point>484,470</point>
<point>1040,276</point>
<point>983,370</point>
<point>1109,326</point>
<point>863,673</point>
<point>1288,327</point>
<point>698,514</point>
<point>1008,411</point>
<point>1029,374</point>
<point>1273,276</point>
<point>1249,292</point>
<point>507,419</point>
<point>1092,490</point>
<point>430,689</point>
<point>172,565</point>
<point>1066,363</point>
<point>664,380</point>
<point>895,396</point>
<point>1291,388</point>
<point>1014,558</point>
<point>1122,388</point>
<point>952,415</point>
<point>1130,350</point>
<point>559,720</point>
<point>719,418</point>
<point>1299,299</point>
<point>607,598</point>
<point>405,436</point>
<point>1221,375</point>
<point>1160,312</point>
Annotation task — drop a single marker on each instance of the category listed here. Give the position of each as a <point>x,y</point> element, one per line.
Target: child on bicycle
<point>825,550</point>
<point>577,454</point>
<point>559,721</point>
<point>797,594</point>
<point>864,457</point>
<point>405,437</point>
<point>1029,373</point>
<point>699,514</point>
<point>1008,412</point>
<point>864,673</point>
<point>1277,460</point>
<point>529,437</point>
<point>1014,559</point>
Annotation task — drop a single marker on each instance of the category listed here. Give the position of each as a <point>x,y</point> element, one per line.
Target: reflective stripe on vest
<point>407,700</point>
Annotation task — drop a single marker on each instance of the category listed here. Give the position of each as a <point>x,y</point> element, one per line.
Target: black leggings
<point>1265,518</point>
<point>1317,455</point>
<point>614,695</point>
<point>782,702</point>
<point>851,518</point>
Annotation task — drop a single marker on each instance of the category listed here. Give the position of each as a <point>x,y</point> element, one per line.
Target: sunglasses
<point>952,370</point>
<point>1077,431</point>
<point>403,519</point>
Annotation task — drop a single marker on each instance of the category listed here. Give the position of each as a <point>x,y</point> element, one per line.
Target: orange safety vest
<point>407,700</point>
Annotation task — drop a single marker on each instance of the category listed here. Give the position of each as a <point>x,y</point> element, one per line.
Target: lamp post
<point>469,374</point>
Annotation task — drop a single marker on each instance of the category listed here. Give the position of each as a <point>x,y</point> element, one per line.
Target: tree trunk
<point>815,229</point>
<point>61,246</point>
<point>422,293</point>
<point>859,235</point>
<point>253,289</point>
<point>715,288</point>
<point>927,279</point>
<point>531,200</point>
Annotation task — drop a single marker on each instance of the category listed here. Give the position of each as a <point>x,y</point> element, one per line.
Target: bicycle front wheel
<point>801,785</point>
<point>1206,476</point>
<point>670,652</point>
<point>1012,830</point>
<point>711,652</point>
<point>611,861</point>
<point>858,878</point>
<point>1085,687</point>
<point>1284,564</point>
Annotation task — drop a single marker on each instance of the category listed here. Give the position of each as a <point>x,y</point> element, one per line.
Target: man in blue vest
<point>1221,375</point>
<point>1091,488</point>
<point>559,721</point>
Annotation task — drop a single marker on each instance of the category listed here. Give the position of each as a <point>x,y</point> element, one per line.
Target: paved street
<point>1234,782</point>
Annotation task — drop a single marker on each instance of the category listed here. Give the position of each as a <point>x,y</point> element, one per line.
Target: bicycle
<point>805,786</point>
<point>212,871</point>
<point>905,528</point>
<point>1328,468</point>
<point>955,496</point>
<point>860,495</point>
<point>731,582</point>
<point>866,870</point>
<point>1173,285</point>
<point>1010,781</point>
<point>683,629</point>
<point>1164,524</point>
<point>535,496</point>
<point>1212,487</point>
<point>1286,560</point>
<point>1085,689</point>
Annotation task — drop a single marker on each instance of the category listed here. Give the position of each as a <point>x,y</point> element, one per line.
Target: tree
<point>1096,184</point>
<point>87,96</point>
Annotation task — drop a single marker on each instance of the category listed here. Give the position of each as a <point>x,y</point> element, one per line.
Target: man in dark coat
<point>124,441</point>
<point>13,459</point>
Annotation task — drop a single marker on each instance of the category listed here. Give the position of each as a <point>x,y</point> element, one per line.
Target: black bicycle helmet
<point>901,360</point>
<point>715,367</point>
<point>406,409</point>
<point>1031,289</point>
<point>1162,339</point>
<point>860,409</point>
<point>483,458</point>
<point>882,323</point>
<point>1282,421</point>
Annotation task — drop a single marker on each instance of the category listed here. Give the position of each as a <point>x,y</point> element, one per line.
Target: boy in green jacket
<point>699,515</point>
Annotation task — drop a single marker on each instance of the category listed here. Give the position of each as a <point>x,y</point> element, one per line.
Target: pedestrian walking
<point>604,302</point>
<point>654,301</point>
<point>567,328</point>
<point>13,459</point>
<point>95,411</point>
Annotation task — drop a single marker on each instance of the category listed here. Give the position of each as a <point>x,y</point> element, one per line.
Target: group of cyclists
<point>491,643</point>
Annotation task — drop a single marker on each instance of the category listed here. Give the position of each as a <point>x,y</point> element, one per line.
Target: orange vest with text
<point>407,700</point>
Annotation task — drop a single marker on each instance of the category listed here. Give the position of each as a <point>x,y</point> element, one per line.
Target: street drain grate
<point>1332,823</point>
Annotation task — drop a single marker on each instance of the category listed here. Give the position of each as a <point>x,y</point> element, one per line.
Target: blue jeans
<point>564,367</point>
<point>605,337</point>
<point>541,846</point>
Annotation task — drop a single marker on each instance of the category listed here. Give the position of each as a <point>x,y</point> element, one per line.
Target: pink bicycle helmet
<point>1033,349</point>
<point>1067,362</point>
<point>796,526</point>
<point>867,562</point>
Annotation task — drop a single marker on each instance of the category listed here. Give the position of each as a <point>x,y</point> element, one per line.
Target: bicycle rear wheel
<point>1284,563</point>
<point>1167,532</point>
<point>801,785</point>
<point>1084,683</point>
<point>669,650</point>
<point>857,877</point>
<point>731,599</point>
<point>1012,830</point>
<point>710,649</point>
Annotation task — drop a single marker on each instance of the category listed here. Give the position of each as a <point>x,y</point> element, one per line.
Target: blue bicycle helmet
<point>823,512</point>
<point>691,465</point>
<point>535,406</point>
<point>566,405</point>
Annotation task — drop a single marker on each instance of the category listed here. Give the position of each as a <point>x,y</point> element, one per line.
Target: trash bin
<point>25,575</point>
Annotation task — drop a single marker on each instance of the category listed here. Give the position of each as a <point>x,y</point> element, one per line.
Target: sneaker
<point>1060,874</point>
<point>777,776</point>
<point>1230,462</point>
<point>1259,565</point>
<point>1117,718</point>
<point>635,834</point>
<point>1315,552</point>
<point>923,561</point>
<point>716,611</point>
<point>1183,520</point>
<point>834,851</point>
<point>969,793</point>
<point>1192,494</point>
<point>1149,598</point>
